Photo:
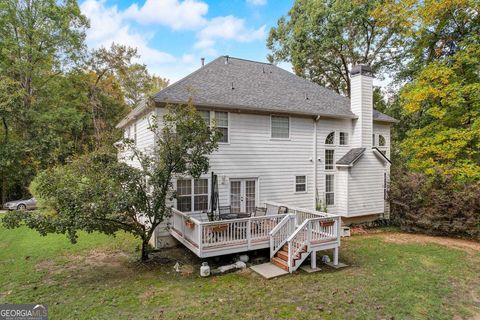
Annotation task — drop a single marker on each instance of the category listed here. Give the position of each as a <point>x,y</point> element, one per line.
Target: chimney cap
<point>362,69</point>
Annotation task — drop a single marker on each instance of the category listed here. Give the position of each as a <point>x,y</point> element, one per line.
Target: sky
<point>173,35</point>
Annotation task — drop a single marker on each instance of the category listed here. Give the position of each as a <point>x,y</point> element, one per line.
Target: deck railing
<point>211,238</point>
<point>280,234</point>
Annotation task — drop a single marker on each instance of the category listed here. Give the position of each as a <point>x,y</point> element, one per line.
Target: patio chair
<point>259,212</point>
<point>282,210</point>
<point>224,211</point>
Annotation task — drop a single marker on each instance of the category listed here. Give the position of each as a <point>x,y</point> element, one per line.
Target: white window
<point>385,186</point>
<point>206,116</point>
<point>329,159</point>
<point>135,133</point>
<point>381,141</point>
<point>343,138</point>
<point>221,121</point>
<point>330,138</point>
<point>280,127</point>
<point>188,201</point>
<point>300,184</point>
<point>329,190</point>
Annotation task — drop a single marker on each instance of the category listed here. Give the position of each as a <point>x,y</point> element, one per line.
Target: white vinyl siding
<point>280,127</point>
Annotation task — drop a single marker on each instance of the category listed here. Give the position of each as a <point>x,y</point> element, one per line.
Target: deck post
<point>313,259</point>
<point>335,256</point>
<point>249,233</point>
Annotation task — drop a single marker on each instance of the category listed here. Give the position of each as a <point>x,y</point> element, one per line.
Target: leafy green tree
<point>97,193</point>
<point>445,100</point>
<point>323,39</point>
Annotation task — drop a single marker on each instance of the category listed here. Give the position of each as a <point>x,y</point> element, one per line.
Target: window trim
<point>228,123</point>
<point>333,160</point>
<point>192,194</point>
<point>340,138</point>
<point>289,127</point>
<point>295,183</point>
<point>330,192</point>
<point>334,143</point>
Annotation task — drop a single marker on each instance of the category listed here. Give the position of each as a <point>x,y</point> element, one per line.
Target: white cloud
<point>257,2</point>
<point>227,28</point>
<point>110,24</point>
<point>178,15</point>
<point>107,26</point>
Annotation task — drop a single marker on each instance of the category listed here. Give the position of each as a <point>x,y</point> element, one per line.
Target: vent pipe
<point>226,59</point>
<point>203,61</point>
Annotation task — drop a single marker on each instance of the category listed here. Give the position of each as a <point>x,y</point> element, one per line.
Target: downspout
<point>315,162</point>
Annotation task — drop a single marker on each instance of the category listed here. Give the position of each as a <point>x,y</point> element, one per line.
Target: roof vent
<point>233,86</point>
<point>306,96</point>
<point>203,61</point>
<point>263,69</point>
<point>226,59</point>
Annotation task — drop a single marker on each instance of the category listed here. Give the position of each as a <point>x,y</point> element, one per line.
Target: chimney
<point>203,61</point>
<point>361,104</point>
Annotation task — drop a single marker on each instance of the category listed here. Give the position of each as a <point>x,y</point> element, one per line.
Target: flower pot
<point>189,224</point>
<point>327,223</point>
<point>219,228</point>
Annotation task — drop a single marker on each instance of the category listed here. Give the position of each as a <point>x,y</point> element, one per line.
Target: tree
<point>98,193</point>
<point>323,39</point>
<point>39,39</point>
<point>445,102</point>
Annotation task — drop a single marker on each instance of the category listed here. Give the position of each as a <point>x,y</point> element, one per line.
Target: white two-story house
<point>285,139</point>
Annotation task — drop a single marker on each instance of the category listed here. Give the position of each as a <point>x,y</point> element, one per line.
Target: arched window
<point>330,138</point>
<point>381,141</point>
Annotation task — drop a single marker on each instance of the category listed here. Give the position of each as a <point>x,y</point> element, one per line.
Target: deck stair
<point>297,236</point>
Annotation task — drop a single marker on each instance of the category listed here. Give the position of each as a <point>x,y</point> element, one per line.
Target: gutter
<point>315,161</point>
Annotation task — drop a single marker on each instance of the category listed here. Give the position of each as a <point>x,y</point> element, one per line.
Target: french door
<point>243,194</point>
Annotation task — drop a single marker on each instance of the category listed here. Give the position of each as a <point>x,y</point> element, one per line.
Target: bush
<point>437,205</point>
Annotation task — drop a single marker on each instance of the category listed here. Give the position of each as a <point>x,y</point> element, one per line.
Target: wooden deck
<point>301,230</point>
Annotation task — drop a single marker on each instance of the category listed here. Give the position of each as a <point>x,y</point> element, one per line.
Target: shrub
<point>436,205</point>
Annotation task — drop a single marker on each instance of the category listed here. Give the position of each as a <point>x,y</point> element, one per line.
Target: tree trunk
<point>144,256</point>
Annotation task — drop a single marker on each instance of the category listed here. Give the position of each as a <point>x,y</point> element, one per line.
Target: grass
<point>99,278</point>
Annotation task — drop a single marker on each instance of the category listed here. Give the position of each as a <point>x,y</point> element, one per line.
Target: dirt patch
<point>465,245</point>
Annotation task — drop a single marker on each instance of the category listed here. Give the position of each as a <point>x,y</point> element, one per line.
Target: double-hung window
<point>205,116</point>
<point>343,138</point>
<point>329,159</point>
<point>192,195</point>
<point>280,127</point>
<point>300,184</point>
<point>221,121</point>
<point>329,189</point>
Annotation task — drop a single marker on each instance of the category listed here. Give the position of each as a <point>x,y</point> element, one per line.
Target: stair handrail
<point>288,219</point>
<point>292,252</point>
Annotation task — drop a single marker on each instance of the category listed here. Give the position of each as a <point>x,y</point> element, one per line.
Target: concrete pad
<point>338,266</point>
<point>308,269</point>
<point>268,270</point>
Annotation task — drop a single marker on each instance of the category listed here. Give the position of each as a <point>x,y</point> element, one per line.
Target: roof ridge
<point>176,83</point>
<point>248,60</point>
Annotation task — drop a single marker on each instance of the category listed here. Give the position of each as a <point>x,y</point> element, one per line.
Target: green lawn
<point>99,278</point>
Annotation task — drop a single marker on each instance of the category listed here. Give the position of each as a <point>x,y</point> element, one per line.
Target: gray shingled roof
<point>257,86</point>
<point>377,115</point>
<point>351,156</point>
